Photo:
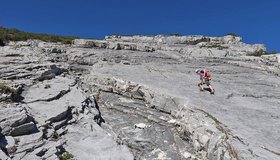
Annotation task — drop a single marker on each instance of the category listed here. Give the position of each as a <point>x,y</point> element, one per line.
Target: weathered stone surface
<point>23,129</point>
<point>136,97</point>
<point>11,146</point>
<point>196,46</point>
<point>272,60</point>
<point>52,71</point>
<point>15,121</point>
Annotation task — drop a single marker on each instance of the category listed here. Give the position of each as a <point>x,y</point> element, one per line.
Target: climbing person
<point>205,78</point>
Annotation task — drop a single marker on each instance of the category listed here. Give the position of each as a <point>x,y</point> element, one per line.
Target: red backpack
<point>207,74</point>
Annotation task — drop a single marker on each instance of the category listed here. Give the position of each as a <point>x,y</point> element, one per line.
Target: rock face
<point>194,46</point>
<point>136,97</point>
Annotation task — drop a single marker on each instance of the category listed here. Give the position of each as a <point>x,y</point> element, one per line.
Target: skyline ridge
<point>255,21</point>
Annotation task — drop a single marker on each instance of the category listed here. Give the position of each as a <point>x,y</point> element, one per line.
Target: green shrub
<point>194,42</point>
<point>175,34</point>
<point>66,156</point>
<point>8,90</point>
<point>218,46</point>
<point>17,35</point>
<point>232,34</point>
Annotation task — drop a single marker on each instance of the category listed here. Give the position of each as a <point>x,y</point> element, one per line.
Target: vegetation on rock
<point>195,42</point>
<point>232,34</point>
<point>7,35</point>
<point>218,46</point>
<point>5,89</point>
<point>66,156</point>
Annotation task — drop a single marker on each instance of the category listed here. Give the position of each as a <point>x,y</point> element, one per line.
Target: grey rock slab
<point>90,141</point>
<point>251,112</point>
<point>51,72</point>
<point>38,91</point>
<point>23,129</point>
<point>27,139</point>
<point>4,156</point>
<point>144,130</point>
<point>12,117</point>
<point>45,110</point>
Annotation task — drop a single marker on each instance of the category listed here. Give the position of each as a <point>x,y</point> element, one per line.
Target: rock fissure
<point>56,97</point>
<point>227,133</point>
<point>274,152</point>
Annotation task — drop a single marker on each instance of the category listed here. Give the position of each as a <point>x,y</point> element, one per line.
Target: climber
<point>205,78</point>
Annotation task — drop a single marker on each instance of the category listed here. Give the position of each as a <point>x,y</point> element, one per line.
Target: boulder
<point>141,125</point>
<point>51,72</point>
<point>12,118</point>
<point>23,129</point>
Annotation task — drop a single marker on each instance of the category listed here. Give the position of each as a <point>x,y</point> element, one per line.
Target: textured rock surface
<point>136,97</point>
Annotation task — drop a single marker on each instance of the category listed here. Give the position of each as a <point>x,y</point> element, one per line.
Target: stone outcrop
<point>51,72</point>
<point>16,121</point>
<point>197,46</point>
<point>136,97</point>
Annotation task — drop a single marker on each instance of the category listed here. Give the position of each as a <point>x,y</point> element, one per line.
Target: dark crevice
<point>42,152</point>
<point>225,130</point>
<point>61,116</point>
<point>90,102</point>
<point>58,96</point>
<point>50,129</point>
<point>260,96</point>
<point>251,96</point>
<point>274,152</point>
<point>4,143</point>
<point>163,111</point>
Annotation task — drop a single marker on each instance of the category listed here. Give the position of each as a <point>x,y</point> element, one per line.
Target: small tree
<point>232,34</point>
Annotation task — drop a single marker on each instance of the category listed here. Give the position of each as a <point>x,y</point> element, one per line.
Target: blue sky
<point>256,21</point>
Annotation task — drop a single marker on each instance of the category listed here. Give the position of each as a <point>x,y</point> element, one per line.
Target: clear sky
<point>256,21</point>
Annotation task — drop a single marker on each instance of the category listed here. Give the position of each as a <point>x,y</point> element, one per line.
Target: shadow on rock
<point>3,144</point>
<point>91,102</point>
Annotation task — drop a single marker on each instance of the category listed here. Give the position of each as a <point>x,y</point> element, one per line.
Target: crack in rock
<point>56,97</point>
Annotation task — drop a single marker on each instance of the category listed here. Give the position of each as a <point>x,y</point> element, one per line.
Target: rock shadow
<point>207,89</point>
<point>90,102</point>
<point>3,144</point>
